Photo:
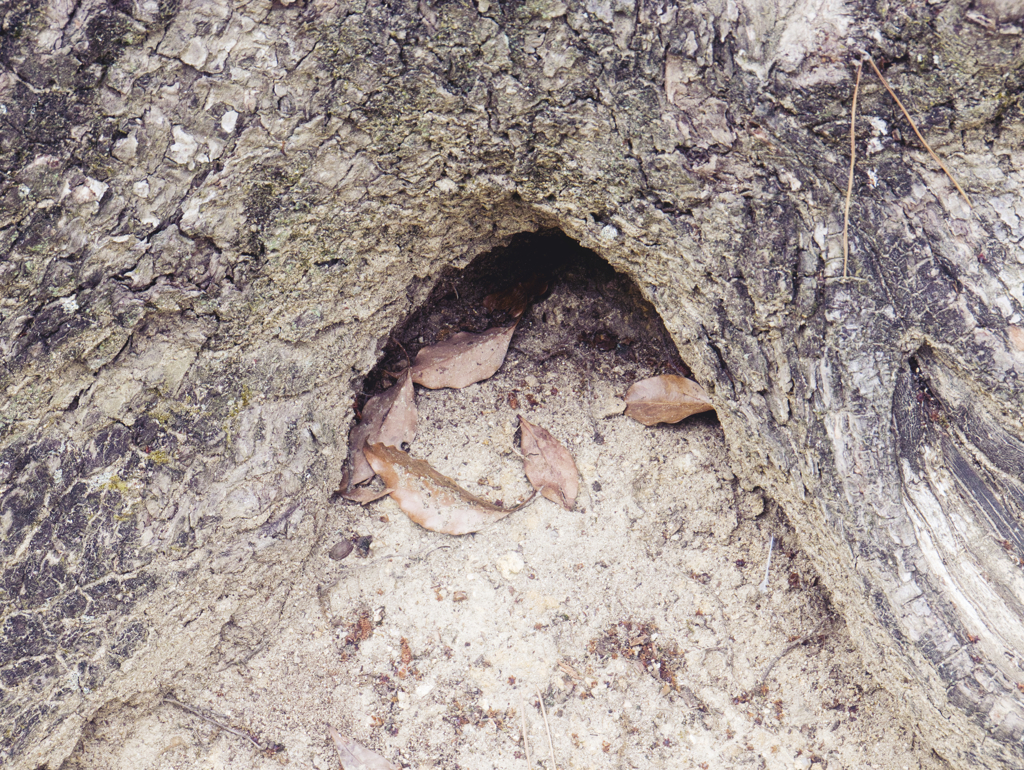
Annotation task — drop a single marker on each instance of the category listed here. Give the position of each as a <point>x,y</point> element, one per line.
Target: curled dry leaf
<point>549,466</point>
<point>388,418</point>
<point>429,498</point>
<point>462,359</point>
<point>516,299</point>
<point>355,756</point>
<point>666,398</point>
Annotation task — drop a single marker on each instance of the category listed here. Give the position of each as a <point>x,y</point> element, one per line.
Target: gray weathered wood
<point>212,214</point>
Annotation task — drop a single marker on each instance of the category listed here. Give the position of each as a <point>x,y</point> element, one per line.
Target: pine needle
<point>849,185</point>
<point>234,731</point>
<point>526,743</point>
<point>547,728</point>
<point>913,126</point>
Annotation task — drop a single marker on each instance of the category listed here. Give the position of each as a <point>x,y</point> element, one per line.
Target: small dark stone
<point>341,550</point>
<point>362,545</point>
<point>605,341</point>
<point>596,486</point>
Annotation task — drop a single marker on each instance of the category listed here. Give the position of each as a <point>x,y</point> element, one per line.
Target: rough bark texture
<point>212,214</point>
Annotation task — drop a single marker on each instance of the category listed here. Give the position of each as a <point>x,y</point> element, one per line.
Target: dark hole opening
<point>606,325</point>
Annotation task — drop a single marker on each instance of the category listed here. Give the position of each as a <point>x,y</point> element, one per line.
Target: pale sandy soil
<point>637,617</point>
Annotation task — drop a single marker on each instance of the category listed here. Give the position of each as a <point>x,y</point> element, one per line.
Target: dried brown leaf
<point>462,359</point>
<point>429,498</point>
<point>388,418</point>
<point>355,756</point>
<point>666,398</point>
<point>364,495</point>
<point>516,299</point>
<point>549,466</point>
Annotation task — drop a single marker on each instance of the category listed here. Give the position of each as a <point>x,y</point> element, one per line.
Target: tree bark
<point>212,214</point>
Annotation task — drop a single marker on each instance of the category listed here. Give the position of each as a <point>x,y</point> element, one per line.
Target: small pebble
<point>510,564</point>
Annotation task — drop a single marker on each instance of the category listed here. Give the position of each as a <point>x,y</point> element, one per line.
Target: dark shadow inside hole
<point>615,327</point>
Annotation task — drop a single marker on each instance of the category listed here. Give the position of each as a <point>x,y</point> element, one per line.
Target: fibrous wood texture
<point>212,214</point>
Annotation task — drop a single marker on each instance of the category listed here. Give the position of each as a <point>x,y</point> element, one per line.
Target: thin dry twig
<point>233,730</point>
<point>526,743</point>
<point>914,126</point>
<point>547,729</point>
<point>763,588</point>
<point>849,184</point>
<point>409,556</point>
<point>802,640</point>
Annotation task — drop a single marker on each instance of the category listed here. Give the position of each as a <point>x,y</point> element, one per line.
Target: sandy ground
<point>638,619</point>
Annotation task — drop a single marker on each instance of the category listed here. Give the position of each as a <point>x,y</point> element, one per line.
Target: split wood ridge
<point>387,424</point>
<point>853,153</point>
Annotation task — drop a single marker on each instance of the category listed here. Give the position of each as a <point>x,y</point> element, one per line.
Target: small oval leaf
<point>462,359</point>
<point>549,466</point>
<point>666,398</point>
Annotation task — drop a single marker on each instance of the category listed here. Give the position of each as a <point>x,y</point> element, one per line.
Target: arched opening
<point>643,615</point>
<point>573,305</point>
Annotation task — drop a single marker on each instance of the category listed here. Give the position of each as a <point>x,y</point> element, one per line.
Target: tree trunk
<point>213,214</point>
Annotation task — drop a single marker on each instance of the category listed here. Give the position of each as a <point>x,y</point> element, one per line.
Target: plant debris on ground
<point>437,502</point>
